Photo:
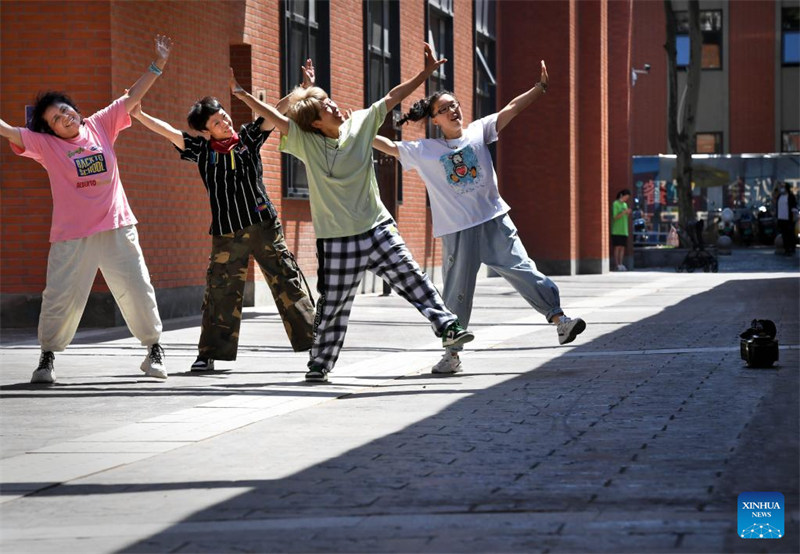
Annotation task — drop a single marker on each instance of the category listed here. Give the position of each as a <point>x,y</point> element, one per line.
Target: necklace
<point>325,148</point>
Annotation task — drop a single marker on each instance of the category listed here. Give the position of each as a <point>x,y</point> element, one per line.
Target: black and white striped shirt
<point>234,181</point>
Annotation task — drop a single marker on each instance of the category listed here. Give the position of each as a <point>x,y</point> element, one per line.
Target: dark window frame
<point>485,58</point>
<point>682,34</point>
<point>390,54</point>
<point>296,15</point>
<point>440,12</point>
<point>784,141</point>
<point>718,142</point>
<point>790,23</point>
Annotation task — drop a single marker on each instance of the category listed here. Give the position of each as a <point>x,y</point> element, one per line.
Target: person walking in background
<point>93,226</point>
<point>355,232</point>
<point>786,212</point>
<point>620,213</point>
<point>243,223</point>
<point>468,212</point>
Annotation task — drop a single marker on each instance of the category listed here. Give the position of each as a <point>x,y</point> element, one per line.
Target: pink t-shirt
<point>84,178</point>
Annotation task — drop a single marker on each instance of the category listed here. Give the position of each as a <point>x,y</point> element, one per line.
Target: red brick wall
<point>751,41</point>
<point>535,152</point>
<point>166,193</point>
<point>593,136</point>
<point>649,96</point>
<point>35,58</point>
<point>552,160</point>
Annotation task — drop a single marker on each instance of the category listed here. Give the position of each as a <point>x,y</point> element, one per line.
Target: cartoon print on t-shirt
<point>462,170</point>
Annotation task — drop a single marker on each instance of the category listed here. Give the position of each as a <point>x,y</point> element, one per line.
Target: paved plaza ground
<point>638,437</point>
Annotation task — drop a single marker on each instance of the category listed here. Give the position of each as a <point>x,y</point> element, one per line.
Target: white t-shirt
<point>460,176</point>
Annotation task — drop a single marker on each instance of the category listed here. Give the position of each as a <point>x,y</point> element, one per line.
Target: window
<point>440,37</point>
<point>383,47</point>
<point>708,143</point>
<point>790,37</point>
<point>382,69</point>
<point>485,84</point>
<point>305,35</point>
<point>711,27</point>
<point>790,141</point>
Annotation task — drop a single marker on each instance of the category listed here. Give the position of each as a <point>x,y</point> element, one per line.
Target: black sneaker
<point>203,364</point>
<point>45,372</point>
<point>456,335</point>
<point>316,374</point>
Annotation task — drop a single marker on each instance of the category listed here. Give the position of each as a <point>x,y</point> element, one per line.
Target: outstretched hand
<point>163,46</point>
<point>544,78</point>
<point>309,77</point>
<point>235,86</point>
<point>431,63</point>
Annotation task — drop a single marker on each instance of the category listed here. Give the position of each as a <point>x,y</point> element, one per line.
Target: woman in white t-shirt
<point>92,226</point>
<point>468,212</point>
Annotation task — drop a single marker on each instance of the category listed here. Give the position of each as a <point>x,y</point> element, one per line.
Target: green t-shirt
<point>348,202</point>
<point>619,226</point>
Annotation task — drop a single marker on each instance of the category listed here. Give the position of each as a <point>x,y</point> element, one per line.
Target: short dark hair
<point>622,193</point>
<point>423,108</point>
<point>37,122</point>
<point>201,111</point>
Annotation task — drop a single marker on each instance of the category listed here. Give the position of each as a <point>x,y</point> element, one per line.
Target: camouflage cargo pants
<point>225,281</point>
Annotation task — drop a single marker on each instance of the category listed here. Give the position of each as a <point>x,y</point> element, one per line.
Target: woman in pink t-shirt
<point>93,226</point>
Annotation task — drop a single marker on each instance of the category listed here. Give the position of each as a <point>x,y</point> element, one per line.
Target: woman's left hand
<point>163,46</point>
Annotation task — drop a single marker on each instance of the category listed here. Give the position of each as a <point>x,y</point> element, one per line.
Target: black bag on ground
<point>758,346</point>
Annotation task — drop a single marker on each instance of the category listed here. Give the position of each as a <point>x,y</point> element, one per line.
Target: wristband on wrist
<point>154,69</point>
<point>543,86</point>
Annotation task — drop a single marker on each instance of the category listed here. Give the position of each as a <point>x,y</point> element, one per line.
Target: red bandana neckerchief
<point>226,145</point>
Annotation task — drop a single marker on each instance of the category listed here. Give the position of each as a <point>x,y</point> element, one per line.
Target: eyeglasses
<point>451,106</point>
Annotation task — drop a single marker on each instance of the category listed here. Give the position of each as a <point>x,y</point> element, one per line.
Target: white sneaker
<point>568,329</point>
<point>153,364</point>
<point>45,372</point>
<point>621,267</point>
<point>449,364</point>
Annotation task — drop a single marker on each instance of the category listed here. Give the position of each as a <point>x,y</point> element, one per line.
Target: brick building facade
<point>559,162</point>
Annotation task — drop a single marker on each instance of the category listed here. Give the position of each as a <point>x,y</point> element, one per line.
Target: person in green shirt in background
<point>619,227</point>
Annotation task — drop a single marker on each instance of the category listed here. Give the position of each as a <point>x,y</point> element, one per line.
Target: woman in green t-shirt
<point>355,232</point>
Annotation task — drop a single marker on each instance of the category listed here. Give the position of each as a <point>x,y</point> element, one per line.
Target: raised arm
<point>272,117</point>
<point>11,133</point>
<point>159,127</point>
<point>386,146</point>
<point>309,79</point>
<point>522,101</point>
<point>396,95</point>
<point>143,84</point>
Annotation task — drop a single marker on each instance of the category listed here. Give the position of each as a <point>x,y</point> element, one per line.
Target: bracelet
<point>154,69</point>
<point>543,85</point>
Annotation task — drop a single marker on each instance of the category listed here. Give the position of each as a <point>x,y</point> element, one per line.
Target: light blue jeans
<point>496,244</point>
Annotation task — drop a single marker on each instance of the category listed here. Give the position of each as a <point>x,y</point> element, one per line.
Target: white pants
<point>71,269</point>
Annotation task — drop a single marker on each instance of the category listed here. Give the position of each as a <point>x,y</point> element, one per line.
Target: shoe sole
<point>151,373</point>
<point>579,328</point>
<point>323,379</point>
<point>434,372</point>
<point>463,339</point>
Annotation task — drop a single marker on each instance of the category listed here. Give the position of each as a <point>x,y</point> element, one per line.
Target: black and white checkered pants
<point>342,263</point>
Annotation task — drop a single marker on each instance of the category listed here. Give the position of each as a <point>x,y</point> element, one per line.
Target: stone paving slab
<point>637,438</point>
